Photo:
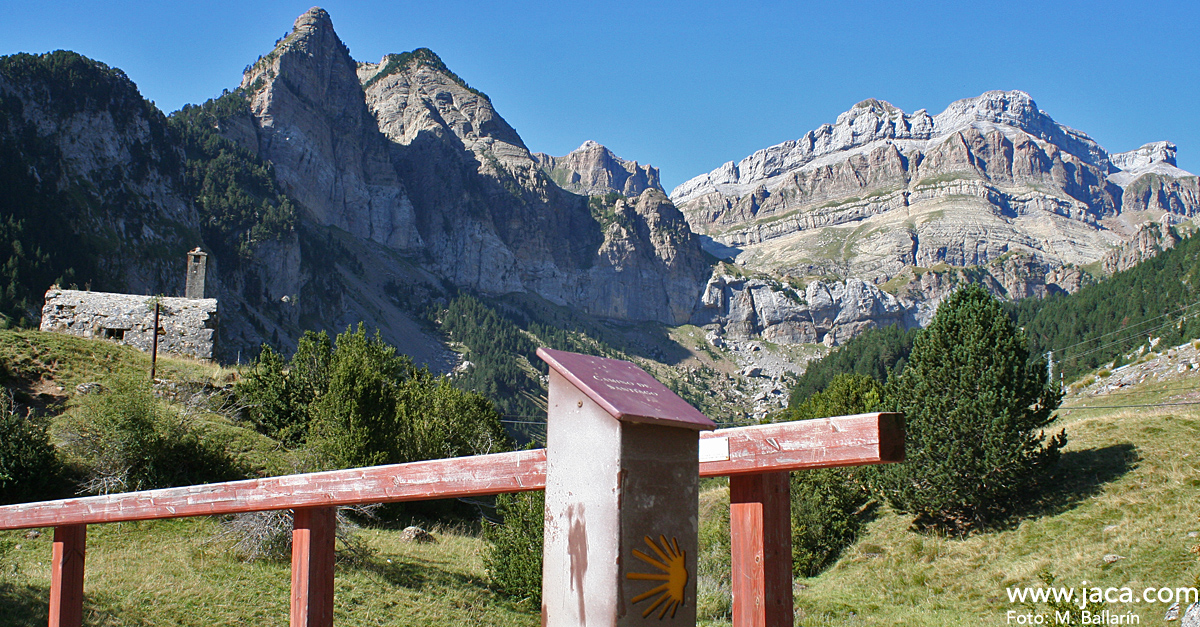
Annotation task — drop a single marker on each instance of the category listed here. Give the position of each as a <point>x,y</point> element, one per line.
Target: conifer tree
<point>975,412</point>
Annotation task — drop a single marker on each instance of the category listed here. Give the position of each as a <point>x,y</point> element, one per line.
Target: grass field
<point>1127,485</point>
<point>165,573</point>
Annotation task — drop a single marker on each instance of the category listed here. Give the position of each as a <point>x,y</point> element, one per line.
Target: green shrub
<point>975,412</point>
<point>514,556</point>
<point>279,394</point>
<point>29,466</point>
<point>127,441</point>
<point>878,353</point>
<point>827,504</point>
<point>355,402</point>
<point>827,515</point>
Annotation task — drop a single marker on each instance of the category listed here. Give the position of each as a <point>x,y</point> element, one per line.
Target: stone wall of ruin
<point>186,326</point>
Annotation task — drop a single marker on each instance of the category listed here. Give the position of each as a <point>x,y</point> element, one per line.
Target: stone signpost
<point>622,486</point>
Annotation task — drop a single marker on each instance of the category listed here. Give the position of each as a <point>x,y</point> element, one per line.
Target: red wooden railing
<point>756,458</point>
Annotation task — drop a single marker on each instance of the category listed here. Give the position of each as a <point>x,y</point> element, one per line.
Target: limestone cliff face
<point>1147,243</point>
<point>881,190</point>
<point>822,312</point>
<point>648,249</point>
<point>593,169</point>
<point>1151,182</point>
<point>404,153</point>
<point>311,123</point>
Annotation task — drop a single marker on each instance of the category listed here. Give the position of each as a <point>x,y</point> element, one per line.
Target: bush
<point>127,441</point>
<point>975,408</point>
<point>278,395</point>
<point>514,556</point>
<point>29,466</point>
<point>378,408</point>
<point>355,402</point>
<point>267,536</point>
<point>827,503</point>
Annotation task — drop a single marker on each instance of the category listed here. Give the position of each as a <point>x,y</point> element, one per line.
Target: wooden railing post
<point>761,541</point>
<point>312,566</point>
<point>66,576</point>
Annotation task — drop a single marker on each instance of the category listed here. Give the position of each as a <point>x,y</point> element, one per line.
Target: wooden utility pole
<point>154,344</point>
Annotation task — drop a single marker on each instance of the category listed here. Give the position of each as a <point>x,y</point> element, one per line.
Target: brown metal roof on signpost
<point>625,391</point>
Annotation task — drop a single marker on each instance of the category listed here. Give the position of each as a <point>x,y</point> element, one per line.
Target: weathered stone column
<point>622,483</point>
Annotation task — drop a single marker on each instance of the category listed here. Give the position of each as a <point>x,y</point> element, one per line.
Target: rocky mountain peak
<point>309,119</point>
<point>315,18</point>
<point>872,103</point>
<point>414,91</point>
<point>593,169</point>
<point>1017,110</point>
<point>873,123</point>
<point>1147,155</point>
<point>1014,108</point>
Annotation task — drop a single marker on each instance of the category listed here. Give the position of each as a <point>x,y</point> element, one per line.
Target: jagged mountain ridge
<point>417,182</point>
<point>991,190</point>
<point>881,190</point>
<point>593,169</point>
<point>406,154</point>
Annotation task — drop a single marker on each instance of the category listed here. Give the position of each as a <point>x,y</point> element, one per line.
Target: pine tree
<point>975,412</point>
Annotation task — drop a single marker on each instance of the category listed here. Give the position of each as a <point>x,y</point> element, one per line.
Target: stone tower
<point>197,260</point>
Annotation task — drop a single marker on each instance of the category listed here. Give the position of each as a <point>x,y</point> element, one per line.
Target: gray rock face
<point>593,169</point>
<point>647,267</point>
<point>404,153</point>
<point>189,326</point>
<point>826,313</point>
<point>880,191</point>
<point>312,124</point>
<point>1147,155</point>
<point>1148,242</point>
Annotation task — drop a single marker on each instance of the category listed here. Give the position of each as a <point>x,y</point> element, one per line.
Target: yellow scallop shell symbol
<point>674,573</point>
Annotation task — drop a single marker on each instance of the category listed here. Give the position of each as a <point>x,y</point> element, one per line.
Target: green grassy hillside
<point>181,572</point>
<point>1128,485</point>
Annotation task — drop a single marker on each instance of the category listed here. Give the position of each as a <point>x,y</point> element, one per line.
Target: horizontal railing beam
<point>857,440</point>
<point>416,481</point>
<point>822,443</point>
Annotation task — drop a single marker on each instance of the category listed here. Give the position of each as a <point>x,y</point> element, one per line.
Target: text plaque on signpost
<point>622,483</point>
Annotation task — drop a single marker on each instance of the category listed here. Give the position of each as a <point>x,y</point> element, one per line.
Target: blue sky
<point>689,86</point>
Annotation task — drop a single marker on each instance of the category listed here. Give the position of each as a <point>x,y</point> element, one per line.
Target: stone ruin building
<point>186,326</point>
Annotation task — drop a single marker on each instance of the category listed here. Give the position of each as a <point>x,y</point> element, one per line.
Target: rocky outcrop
<point>593,169</point>
<point>827,313</point>
<point>1150,240</point>
<point>1151,182</point>
<point>647,267</point>
<point>831,312</point>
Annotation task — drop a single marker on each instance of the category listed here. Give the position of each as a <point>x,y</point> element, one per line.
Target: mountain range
<point>367,191</point>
